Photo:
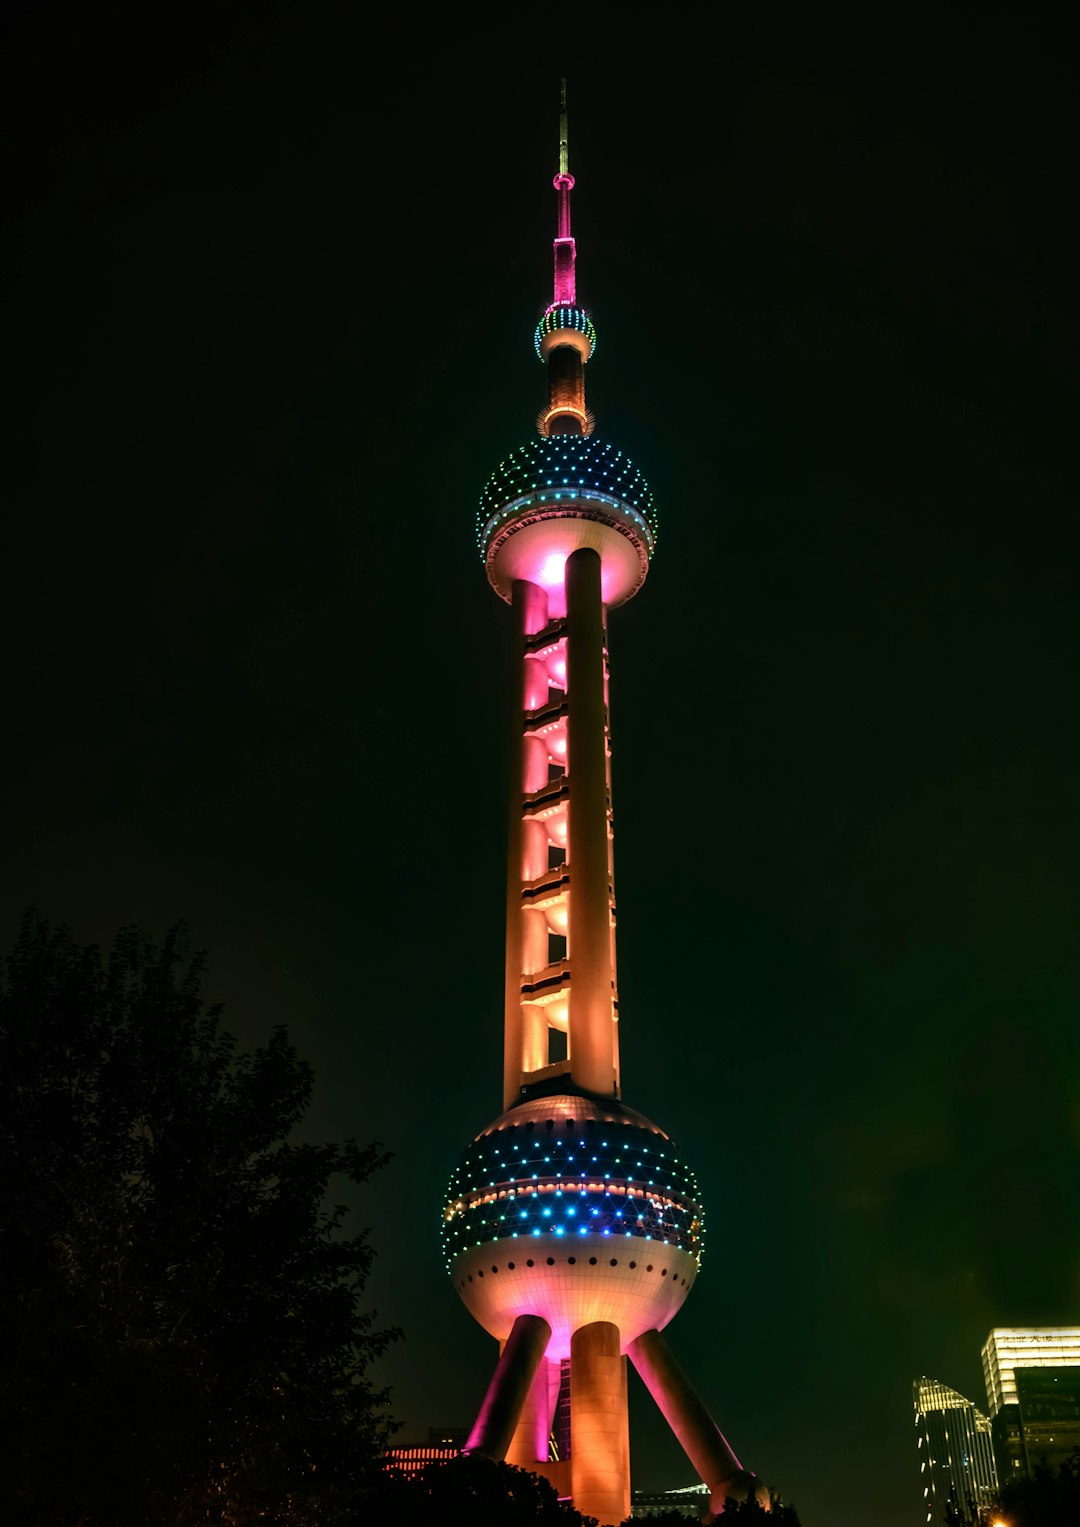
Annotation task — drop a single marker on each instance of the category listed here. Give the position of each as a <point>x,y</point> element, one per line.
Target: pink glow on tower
<point>573,1231</point>
<point>550,572</point>
<point>565,252</point>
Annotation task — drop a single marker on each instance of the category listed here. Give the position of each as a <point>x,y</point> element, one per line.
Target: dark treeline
<point>1050,1498</point>
<point>477,1493</point>
<point>183,1336</point>
<point>182,1333</point>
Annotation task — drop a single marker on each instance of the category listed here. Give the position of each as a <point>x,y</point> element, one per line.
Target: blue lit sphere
<point>553,496</point>
<point>575,1209</point>
<point>563,325</point>
<point>565,468</point>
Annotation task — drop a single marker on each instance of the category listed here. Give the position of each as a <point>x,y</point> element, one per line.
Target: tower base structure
<point>521,1398</point>
<point>573,1233</point>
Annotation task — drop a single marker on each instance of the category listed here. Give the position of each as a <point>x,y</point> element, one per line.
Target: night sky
<point>270,279</point>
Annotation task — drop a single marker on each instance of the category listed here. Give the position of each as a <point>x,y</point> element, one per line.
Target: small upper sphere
<point>562,325</point>
<point>550,497</point>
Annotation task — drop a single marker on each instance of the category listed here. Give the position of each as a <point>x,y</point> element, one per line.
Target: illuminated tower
<point>573,1230</point>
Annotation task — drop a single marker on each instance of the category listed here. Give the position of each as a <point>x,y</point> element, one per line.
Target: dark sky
<point>269,285</point>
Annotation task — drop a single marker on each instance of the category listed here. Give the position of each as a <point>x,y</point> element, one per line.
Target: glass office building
<point>956,1456</point>
<point>1033,1390</point>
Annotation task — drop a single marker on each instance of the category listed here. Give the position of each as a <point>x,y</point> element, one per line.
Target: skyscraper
<point>956,1456</point>
<point>1032,1378</point>
<point>573,1229</point>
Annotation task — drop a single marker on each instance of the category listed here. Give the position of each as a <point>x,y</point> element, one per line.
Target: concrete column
<point>702,1441</point>
<point>599,1432</point>
<point>534,940</point>
<point>534,1024</point>
<point>530,1441</point>
<point>530,613</point>
<point>535,766</point>
<point>592,1062</point>
<point>509,1388</point>
<point>534,848</point>
<point>536,683</point>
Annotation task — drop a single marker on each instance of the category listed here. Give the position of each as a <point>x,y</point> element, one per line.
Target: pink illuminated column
<point>530,1441</point>
<point>526,938</point>
<point>593,1061</point>
<point>508,1392</point>
<point>703,1442</point>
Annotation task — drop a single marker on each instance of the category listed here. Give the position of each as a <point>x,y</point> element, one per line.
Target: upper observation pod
<point>554,496</point>
<point>562,325</point>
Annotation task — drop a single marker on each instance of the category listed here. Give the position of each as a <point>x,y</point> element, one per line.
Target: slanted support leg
<point>530,1442</point>
<point>509,1388</point>
<point>702,1441</point>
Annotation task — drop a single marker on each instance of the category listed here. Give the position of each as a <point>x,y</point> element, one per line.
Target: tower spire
<point>565,337</point>
<point>565,253</point>
<point>564,145</point>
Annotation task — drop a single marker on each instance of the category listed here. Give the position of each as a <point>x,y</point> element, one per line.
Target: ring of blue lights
<point>517,1183</point>
<point>557,318</point>
<point>564,465</point>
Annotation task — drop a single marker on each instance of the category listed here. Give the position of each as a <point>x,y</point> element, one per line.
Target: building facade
<point>956,1457</point>
<point>1032,1378</point>
<point>573,1229</point>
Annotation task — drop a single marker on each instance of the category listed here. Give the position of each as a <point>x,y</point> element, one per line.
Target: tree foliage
<point>469,1491</point>
<point>748,1511</point>
<point>1050,1498</point>
<point>181,1332</point>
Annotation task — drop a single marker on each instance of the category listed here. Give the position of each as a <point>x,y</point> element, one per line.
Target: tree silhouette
<point>1050,1498</point>
<point>181,1331</point>
<point>749,1510</point>
<point>469,1491</point>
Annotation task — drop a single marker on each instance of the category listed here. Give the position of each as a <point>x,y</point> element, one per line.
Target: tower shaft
<point>560,975</point>
<point>593,1044</point>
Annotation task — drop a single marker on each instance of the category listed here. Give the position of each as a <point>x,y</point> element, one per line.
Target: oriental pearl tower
<point>572,1228</point>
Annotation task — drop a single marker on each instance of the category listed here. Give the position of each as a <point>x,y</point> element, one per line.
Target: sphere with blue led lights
<point>564,325</point>
<point>550,497</point>
<point>575,1209</point>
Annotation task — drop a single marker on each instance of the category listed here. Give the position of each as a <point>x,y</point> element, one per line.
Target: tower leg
<point>530,1441</point>
<point>509,1388</point>
<point>702,1441</point>
<point>599,1430</point>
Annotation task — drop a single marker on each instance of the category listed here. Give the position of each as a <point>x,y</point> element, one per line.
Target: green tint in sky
<point>268,323</point>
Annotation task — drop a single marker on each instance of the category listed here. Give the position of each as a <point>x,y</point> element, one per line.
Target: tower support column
<point>508,1391</point>
<point>702,1441</point>
<point>530,611</point>
<point>592,1030</point>
<point>599,1426</point>
<point>530,1441</point>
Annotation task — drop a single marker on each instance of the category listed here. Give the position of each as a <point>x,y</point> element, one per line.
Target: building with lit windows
<point>689,1501</point>
<point>956,1456</point>
<point>573,1228</point>
<point>1032,1378</point>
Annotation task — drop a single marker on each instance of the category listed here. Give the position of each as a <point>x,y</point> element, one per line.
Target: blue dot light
<point>558,318</point>
<point>578,468</point>
<point>535,1186</point>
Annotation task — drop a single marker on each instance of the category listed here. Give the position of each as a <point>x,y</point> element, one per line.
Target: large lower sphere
<point>575,1209</point>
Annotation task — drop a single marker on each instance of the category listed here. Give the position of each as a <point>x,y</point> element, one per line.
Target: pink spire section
<point>565,252</point>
